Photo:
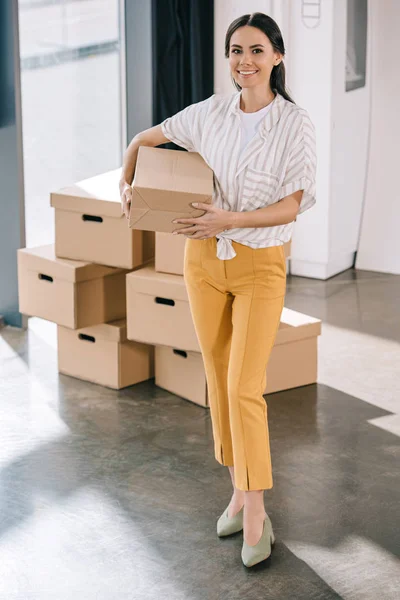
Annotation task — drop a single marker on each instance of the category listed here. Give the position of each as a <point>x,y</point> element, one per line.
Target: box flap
<point>145,199</point>
<point>159,285</point>
<point>96,196</point>
<point>43,260</point>
<point>114,331</point>
<point>296,326</point>
<point>156,220</point>
<point>138,208</point>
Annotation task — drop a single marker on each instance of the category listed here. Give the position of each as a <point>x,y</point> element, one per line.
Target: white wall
<point>226,11</point>
<point>309,66</point>
<point>325,239</point>
<point>379,245</point>
<point>349,148</point>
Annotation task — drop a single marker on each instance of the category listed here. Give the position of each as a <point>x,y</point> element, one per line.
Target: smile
<point>247,73</point>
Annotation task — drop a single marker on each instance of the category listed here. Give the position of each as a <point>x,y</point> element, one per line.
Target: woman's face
<point>251,57</point>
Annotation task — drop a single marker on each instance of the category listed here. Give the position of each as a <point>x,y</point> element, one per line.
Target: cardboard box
<point>293,361</point>
<point>181,373</point>
<point>89,225</point>
<point>294,358</point>
<point>158,310</point>
<point>170,252</point>
<point>70,293</point>
<point>102,354</point>
<point>165,184</point>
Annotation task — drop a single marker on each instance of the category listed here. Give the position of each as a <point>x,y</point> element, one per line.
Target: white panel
<point>310,63</point>
<point>379,246</point>
<point>349,147</point>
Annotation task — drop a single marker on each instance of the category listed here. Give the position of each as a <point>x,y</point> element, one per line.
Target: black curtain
<point>183,55</point>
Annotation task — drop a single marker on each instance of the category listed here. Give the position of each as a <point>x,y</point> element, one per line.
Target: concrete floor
<point>108,494</point>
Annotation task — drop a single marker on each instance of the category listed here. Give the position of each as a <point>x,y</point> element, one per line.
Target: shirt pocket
<point>259,189</point>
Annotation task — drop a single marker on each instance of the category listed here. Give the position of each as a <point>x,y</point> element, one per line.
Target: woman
<point>261,148</point>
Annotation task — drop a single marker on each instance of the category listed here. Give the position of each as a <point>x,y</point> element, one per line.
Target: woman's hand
<point>207,226</point>
<point>125,191</point>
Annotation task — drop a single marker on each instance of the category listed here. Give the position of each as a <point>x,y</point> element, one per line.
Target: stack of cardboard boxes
<point>80,284</point>
<point>159,295</point>
<point>123,316</point>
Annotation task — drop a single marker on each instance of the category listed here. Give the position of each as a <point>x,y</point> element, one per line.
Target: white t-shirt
<point>249,124</point>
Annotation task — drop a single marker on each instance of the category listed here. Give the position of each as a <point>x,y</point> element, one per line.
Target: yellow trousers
<point>236,307</point>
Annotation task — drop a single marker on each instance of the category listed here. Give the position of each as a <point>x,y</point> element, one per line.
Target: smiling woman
<point>261,148</point>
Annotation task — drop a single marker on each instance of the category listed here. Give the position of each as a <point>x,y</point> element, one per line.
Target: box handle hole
<point>86,338</point>
<point>92,218</point>
<point>180,353</point>
<point>166,301</point>
<point>45,277</point>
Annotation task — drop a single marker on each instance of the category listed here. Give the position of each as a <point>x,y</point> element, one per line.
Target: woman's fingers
<point>126,198</point>
<point>128,194</point>
<point>188,230</point>
<point>124,205</point>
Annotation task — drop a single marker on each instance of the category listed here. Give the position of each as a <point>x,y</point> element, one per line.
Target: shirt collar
<point>272,116</point>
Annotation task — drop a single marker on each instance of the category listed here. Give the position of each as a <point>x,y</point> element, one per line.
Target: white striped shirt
<point>278,161</point>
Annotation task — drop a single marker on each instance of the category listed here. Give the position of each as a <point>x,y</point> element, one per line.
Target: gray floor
<point>109,494</point>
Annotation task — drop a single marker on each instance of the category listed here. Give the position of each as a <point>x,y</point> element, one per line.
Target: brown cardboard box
<point>102,354</point>
<point>158,310</point>
<point>293,361</point>
<point>170,252</point>
<point>294,358</point>
<point>165,184</point>
<point>181,373</point>
<point>288,248</point>
<point>89,225</point>
<point>71,293</point>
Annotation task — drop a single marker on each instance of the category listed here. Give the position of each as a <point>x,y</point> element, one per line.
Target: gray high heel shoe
<point>229,525</point>
<point>252,555</point>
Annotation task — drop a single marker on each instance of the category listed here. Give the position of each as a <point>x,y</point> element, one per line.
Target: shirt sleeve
<point>302,164</point>
<point>185,128</point>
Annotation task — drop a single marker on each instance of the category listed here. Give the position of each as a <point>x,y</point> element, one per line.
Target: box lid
<point>296,326</point>
<point>163,285</point>
<point>114,331</point>
<point>96,196</point>
<point>42,259</point>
